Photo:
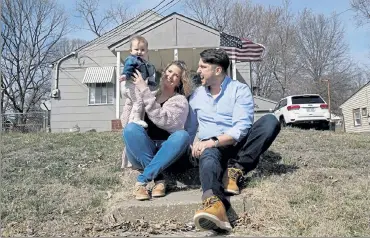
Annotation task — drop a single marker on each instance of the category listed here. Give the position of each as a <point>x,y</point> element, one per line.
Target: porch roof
<point>99,75</point>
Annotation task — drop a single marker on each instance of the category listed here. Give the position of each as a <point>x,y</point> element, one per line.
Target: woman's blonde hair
<point>185,87</point>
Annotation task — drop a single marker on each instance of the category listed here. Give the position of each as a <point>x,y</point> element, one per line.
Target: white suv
<point>306,109</point>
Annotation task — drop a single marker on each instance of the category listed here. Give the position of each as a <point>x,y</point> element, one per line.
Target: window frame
<point>364,109</point>
<point>90,86</point>
<point>354,111</point>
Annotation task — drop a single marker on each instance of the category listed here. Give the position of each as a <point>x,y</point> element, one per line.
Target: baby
<point>137,60</point>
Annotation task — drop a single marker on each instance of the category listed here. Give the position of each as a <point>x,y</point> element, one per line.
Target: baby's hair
<point>140,39</point>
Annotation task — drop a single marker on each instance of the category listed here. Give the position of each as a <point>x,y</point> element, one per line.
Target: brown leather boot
<point>159,189</point>
<point>230,180</point>
<point>212,216</point>
<point>140,192</point>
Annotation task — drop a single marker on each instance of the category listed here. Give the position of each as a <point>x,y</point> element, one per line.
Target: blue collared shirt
<point>231,112</point>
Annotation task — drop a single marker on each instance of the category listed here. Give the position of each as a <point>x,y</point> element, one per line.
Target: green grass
<point>310,183</point>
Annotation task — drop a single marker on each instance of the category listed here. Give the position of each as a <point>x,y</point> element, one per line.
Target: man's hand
<point>199,147</point>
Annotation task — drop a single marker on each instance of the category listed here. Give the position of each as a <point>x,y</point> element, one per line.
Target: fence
<point>29,122</point>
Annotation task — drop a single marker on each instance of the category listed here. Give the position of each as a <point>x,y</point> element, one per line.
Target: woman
<point>164,140</point>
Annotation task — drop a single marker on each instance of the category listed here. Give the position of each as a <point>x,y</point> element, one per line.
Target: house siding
<point>190,34</point>
<point>243,73</point>
<point>72,107</point>
<point>359,100</point>
<point>263,103</point>
<point>262,106</point>
<point>176,31</point>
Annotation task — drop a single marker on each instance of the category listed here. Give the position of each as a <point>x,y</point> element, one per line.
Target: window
<point>284,103</point>
<point>357,117</point>
<point>309,99</point>
<point>281,104</point>
<point>101,93</point>
<point>364,112</point>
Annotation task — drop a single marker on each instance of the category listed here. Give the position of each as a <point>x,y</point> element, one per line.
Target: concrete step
<point>179,206</point>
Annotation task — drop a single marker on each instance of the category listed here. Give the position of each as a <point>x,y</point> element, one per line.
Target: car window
<point>280,104</point>
<point>284,103</point>
<point>307,99</point>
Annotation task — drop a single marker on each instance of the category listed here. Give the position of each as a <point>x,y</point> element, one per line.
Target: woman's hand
<point>138,79</point>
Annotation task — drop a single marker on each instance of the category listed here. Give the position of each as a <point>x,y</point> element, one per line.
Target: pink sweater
<point>170,117</point>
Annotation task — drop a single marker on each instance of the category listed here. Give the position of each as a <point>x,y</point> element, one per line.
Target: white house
<point>85,92</point>
<point>356,115</point>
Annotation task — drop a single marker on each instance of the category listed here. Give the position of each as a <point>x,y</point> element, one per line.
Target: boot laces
<point>210,201</point>
<point>138,187</point>
<point>235,173</point>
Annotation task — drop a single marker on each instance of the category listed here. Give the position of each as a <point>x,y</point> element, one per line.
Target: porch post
<point>175,54</point>
<point>118,74</point>
<point>233,62</point>
<point>250,76</point>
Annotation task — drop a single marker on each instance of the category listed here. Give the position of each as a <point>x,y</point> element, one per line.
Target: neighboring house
<point>262,106</point>
<point>85,92</point>
<point>356,111</point>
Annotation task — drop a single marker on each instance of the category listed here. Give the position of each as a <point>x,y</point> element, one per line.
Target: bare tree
<point>265,26</point>
<point>362,10</point>
<point>120,12</point>
<point>285,67</point>
<point>66,46</point>
<point>99,20</point>
<point>323,54</point>
<point>200,10</point>
<point>215,13</point>
<point>244,19</point>
<point>301,49</point>
<point>320,42</point>
<point>32,28</point>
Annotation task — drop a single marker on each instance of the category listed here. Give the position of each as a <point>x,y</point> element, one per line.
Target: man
<point>223,109</point>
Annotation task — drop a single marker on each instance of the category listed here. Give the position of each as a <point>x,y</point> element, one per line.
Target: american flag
<point>241,49</point>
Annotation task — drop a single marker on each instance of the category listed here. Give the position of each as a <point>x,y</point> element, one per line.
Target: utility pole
<point>329,101</point>
<point>1,72</point>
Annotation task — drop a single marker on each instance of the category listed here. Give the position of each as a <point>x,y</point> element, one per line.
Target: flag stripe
<point>258,51</point>
<point>241,49</point>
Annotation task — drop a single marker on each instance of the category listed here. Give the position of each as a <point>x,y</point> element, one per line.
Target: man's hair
<point>140,39</point>
<point>216,57</point>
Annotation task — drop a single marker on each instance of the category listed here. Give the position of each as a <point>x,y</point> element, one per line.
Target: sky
<point>355,36</point>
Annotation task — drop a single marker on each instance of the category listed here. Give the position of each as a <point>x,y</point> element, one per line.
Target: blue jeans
<point>150,155</point>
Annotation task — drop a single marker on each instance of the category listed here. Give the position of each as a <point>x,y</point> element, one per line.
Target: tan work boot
<point>212,216</point>
<point>140,192</point>
<point>230,180</point>
<point>159,189</point>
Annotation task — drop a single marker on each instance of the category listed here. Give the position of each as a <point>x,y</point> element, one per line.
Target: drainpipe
<point>55,92</point>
